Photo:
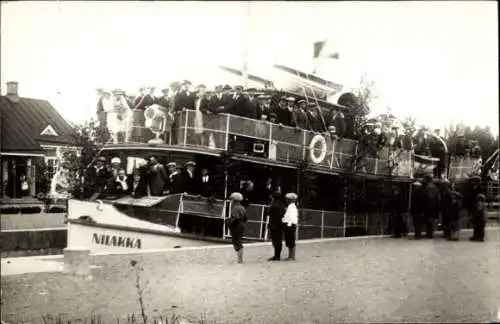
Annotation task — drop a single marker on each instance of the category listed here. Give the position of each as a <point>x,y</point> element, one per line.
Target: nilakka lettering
<point>114,240</point>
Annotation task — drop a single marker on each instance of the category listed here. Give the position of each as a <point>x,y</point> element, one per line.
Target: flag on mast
<point>323,50</point>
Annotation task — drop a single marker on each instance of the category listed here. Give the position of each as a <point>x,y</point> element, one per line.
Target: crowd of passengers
<point>110,178</point>
<point>115,108</point>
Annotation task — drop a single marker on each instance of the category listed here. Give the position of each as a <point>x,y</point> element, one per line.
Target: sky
<point>435,61</point>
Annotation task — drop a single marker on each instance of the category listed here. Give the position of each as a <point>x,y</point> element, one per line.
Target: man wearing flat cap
<point>275,213</point>
<point>315,119</point>
<point>185,99</point>
<point>240,104</point>
<point>174,184</point>
<point>337,120</point>
<point>301,115</point>
<point>165,100</point>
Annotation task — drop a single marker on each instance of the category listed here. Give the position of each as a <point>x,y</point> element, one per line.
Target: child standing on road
<point>236,223</point>
<point>479,217</point>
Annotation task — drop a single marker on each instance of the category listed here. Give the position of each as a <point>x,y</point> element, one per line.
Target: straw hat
<point>236,196</point>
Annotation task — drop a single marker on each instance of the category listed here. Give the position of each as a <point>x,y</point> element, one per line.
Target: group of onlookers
<point>429,202</point>
<point>150,179</point>
<point>118,111</point>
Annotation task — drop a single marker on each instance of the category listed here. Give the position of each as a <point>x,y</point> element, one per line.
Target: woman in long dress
<point>112,122</point>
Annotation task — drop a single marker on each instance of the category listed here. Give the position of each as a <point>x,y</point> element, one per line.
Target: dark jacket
<point>336,119</point>
<point>189,183</point>
<point>285,117</point>
<point>301,119</point>
<point>142,102</point>
<point>431,200</point>
<point>157,177</point>
<point>164,102</point>
<point>206,189</point>
<point>175,183</point>
<point>398,204</point>
<point>241,106</point>
<point>276,213</point>
<point>238,215</point>
<point>315,121</point>
<point>184,100</point>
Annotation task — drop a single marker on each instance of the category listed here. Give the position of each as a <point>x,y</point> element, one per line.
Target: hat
<point>106,91</point>
<point>301,101</point>
<point>186,82</point>
<point>417,183</point>
<point>311,104</point>
<point>227,87</point>
<point>284,98</point>
<point>291,196</point>
<point>116,160</point>
<point>171,164</point>
<point>190,163</point>
<point>290,99</point>
<point>166,89</point>
<point>481,197</point>
<point>238,88</point>
<point>236,196</point>
<point>262,96</point>
<point>101,158</point>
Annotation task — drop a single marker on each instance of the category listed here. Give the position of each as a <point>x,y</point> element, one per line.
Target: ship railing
<point>463,167</point>
<point>220,132</point>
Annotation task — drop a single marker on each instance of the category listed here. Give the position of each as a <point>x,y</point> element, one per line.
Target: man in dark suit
<point>276,213</point>
<point>96,178</point>
<point>240,104</point>
<point>185,99</point>
<point>315,121</point>
<point>165,100</point>
<point>189,180</point>
<point>206,184</point>
<point>174,184</point>
<point>337,120</point>
<point>137,185</point>
<point>157,177</point>
<point>301,119</point>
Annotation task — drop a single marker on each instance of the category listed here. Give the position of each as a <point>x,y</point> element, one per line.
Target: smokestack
<point>12,91</point>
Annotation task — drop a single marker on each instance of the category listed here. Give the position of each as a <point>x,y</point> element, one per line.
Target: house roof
<point>23,123</point>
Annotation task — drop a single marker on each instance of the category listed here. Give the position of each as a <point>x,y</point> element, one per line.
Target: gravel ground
<point>372,280</point>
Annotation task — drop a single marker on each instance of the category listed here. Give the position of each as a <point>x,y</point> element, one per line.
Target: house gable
<point>49,131</point>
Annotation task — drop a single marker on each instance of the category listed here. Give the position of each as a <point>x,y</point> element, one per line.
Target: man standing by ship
<point>189,182</point>
<point>236,224</point>
<point>276,211</point>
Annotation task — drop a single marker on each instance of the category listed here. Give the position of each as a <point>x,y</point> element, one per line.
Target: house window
<point>52,164</point>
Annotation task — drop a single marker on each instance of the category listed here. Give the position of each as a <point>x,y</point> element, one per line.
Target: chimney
<point>12,91</point>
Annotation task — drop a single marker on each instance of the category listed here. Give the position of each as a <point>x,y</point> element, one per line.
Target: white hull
<point>100,239</point>
<point>102,227</point>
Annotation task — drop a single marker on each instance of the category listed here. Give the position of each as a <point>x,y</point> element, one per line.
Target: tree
<point>89,138</point>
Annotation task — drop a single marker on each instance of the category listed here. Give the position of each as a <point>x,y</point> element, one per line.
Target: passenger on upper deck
<point>216,101</point>
<point>240,104</point>
<point>301,116</point>
<point>157,177</point>
<point>165,100</point>
<point>101,114</point>
<point>185,98</point>
<point>315,121</point>
<point>337,120</point>
<point>145,99</point>
<point>286,115</point>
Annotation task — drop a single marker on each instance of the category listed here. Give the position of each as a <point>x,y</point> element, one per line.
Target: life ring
<point>314,141</point>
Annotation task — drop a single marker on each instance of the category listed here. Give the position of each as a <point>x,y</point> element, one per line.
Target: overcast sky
<point>437,61</point>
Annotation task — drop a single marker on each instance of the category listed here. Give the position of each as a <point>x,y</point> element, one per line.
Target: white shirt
<point>291,215</point>
<point>122,182</point>
<point>205,179</point>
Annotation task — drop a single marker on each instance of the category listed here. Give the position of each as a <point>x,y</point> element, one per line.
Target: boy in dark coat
<point>479,218</point>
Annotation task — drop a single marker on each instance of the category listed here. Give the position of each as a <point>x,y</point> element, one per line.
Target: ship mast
<point>246,40</point>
